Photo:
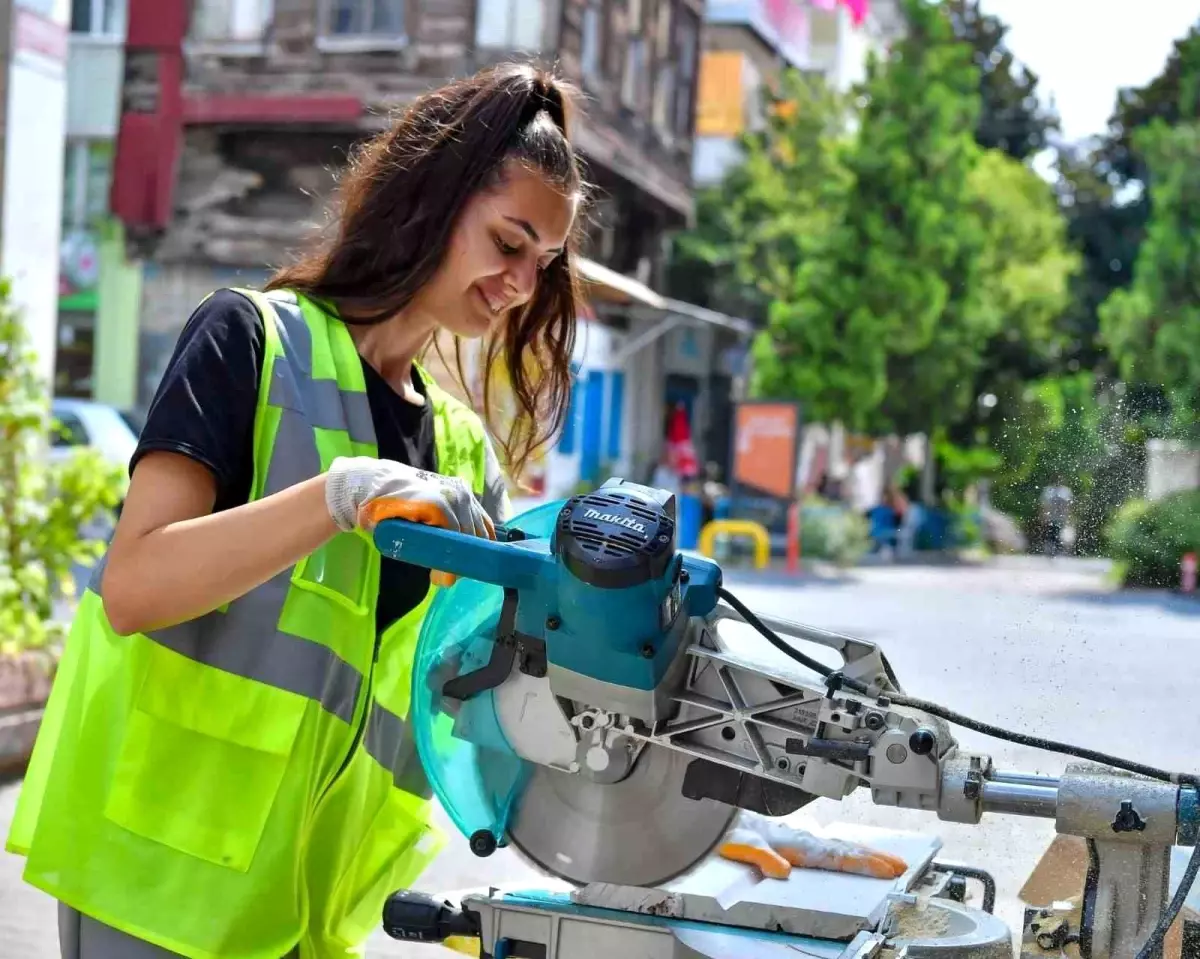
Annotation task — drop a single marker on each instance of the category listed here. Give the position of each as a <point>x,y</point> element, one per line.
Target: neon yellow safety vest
<point>244,781</point>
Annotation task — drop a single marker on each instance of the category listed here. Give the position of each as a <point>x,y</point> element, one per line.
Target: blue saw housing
<point>594,582</point>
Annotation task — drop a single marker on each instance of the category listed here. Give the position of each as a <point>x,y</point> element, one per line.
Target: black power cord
<point>835,679</point>
<point>773,638</point>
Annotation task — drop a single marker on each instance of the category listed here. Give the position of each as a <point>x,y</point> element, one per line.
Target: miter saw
<point>583,696</point>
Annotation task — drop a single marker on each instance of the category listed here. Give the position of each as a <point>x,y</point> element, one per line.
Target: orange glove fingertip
<point>765,860</point>
<point>375,511</point>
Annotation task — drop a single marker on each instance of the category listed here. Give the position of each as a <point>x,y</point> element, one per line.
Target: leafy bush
<point>43,505</point>
<point>1148,539</point>
<point>833,533</point>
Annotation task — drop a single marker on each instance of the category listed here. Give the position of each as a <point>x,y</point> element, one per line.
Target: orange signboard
<point>720,98</point>
<point>765,448</point>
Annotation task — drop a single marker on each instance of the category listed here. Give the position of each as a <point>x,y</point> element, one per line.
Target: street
<point>1031,644</point>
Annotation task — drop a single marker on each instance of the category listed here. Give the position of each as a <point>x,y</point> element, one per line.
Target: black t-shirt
<point>205,408</point>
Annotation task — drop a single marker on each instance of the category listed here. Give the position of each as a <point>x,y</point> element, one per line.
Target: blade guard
<point>472,769</point>
<point>462,659</point>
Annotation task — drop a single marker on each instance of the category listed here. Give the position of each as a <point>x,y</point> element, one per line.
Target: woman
<point>224,769</point>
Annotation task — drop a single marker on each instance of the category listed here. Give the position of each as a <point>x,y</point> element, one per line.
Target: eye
<point>506,248</point>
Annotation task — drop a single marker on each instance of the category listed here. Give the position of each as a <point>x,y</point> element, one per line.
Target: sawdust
<point>914,922</point>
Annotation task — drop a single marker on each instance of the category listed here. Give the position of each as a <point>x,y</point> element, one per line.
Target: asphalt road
<point>1031,644</point>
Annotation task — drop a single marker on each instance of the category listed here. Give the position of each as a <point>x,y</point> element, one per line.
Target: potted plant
<point>44,508</point>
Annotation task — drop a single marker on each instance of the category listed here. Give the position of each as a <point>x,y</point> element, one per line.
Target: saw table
<point>724,910</point>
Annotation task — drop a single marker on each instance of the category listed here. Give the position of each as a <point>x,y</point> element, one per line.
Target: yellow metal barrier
<point>737,527</point>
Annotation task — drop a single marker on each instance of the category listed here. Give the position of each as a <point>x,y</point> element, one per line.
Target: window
<point>509,24</point>
<point>662,108</point>
<point>635,67</point>
<point>591,42</point>
<point>366,18</point>
<point>87,176</point>
<point>687,36</point>
<point>664,99</point>
<point>231,20</point>
<point>662,31</point>
<point>98,18</point>
<point>633,70</point>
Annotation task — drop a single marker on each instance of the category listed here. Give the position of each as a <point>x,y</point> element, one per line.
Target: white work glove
<point>360,491</point>
<point>774,848</point>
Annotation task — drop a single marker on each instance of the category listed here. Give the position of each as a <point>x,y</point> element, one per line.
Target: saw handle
<point>416,917</point>
<point>500,562</point>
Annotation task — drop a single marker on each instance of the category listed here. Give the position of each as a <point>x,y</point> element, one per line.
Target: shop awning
<point>603,285</point>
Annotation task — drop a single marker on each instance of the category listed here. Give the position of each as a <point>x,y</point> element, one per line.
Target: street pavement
<point>1032,644</point>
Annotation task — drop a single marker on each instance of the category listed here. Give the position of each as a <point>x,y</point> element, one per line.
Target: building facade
<point>33,48</point>
<point>748,42</point>
<point>236,112</point>
<point>99,286</point>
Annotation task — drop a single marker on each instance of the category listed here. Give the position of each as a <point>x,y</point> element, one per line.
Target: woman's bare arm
<point>172,559</point>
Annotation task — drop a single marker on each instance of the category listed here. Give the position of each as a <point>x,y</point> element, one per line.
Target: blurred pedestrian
<point>1056,502</point>
<point>224,768</point>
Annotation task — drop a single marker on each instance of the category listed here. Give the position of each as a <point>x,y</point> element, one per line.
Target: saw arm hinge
<point>509,646</point>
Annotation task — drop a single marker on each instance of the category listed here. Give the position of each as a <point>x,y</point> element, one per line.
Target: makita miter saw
<point>577,696</point>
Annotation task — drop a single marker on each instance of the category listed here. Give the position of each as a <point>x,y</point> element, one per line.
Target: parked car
<point>113,432</point>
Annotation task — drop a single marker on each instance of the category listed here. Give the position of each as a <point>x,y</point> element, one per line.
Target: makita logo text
<point>616,520</point>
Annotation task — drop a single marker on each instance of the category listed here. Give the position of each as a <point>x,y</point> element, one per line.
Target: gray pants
<point>81,937</point>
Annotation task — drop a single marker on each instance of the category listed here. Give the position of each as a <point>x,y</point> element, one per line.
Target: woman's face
<point>504,239</point>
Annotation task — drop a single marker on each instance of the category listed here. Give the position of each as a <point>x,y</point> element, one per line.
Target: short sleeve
<point>205,404</point>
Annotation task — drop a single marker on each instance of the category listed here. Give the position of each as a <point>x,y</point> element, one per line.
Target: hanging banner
<point>720,95</point>
<point>766,437</point>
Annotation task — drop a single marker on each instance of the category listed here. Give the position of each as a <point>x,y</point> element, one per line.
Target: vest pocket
<point>339,571</point>
<point>202,759</point>
<point>396,848</point>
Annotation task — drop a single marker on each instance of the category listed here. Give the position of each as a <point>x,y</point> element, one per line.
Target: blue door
<point>591,442</point>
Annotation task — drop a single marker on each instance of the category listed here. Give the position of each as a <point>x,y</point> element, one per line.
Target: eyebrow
<point>530,231</point>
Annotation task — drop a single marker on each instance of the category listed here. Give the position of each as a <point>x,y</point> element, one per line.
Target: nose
<point>522,279</point>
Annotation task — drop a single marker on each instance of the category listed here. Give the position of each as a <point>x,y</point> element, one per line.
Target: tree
<point>1170,97</point>
<point>881,326</point>
<point>43,505</point>
<point>1024,275</point>
<point>1012,118</point>
<point>1104,194</point>
<point>1152,328</point>
<point>757,225</point>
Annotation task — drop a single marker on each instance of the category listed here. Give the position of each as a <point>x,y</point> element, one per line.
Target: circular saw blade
<point>640,831</point>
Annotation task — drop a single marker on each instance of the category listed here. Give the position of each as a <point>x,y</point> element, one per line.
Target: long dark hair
<point>399,199</point>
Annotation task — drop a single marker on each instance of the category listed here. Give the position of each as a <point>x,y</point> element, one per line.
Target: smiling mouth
<point>487,304</point>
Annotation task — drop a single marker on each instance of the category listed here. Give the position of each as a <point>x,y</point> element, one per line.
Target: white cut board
<point>810,902</point>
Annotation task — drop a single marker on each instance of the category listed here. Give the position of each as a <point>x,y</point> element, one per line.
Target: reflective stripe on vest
<point>234,642</point>
<point>390,742</point>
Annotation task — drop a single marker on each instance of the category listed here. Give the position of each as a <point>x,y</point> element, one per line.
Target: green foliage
<point>1106,223</point>
<point>1067,430</point>
<point>1024,276</point>
<point>1012,118</point>
<point>959,467</point>
<point>1152,329</point>
<point>833,533</point>
<point>1148,540</point>
<point>43,505</point>
<point>887,294</point>
<point>755,227</point>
